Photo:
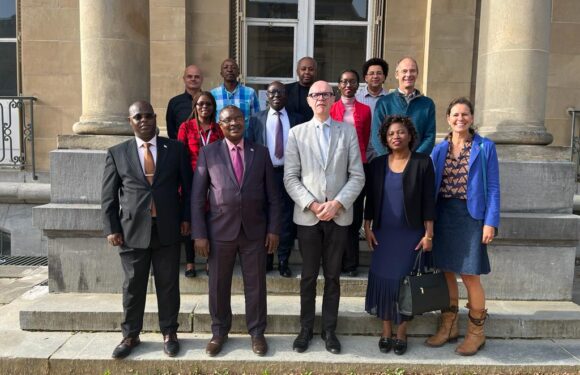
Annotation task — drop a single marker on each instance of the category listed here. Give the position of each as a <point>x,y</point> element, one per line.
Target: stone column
<point>115,69</point>
<point>512,71</point>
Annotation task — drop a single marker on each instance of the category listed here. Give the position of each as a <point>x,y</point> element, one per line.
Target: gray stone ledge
<point>70,217</point>
<point>32,193</point>
<point>90,142</point>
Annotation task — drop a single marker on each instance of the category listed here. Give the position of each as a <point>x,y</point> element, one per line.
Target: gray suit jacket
<point>126,193</point>
<point>256,205</point>
<point>256,131</point>
<point>307,179</point>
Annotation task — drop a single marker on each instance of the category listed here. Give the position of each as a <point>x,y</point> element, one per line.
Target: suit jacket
<point>362,122</point>
<point>297,103</point>
<point>480,206</point>
<point>256,206</point>
<point>418,193</point>
<point>126,193</point>
<point>307,179</point>
<point>256,131</point>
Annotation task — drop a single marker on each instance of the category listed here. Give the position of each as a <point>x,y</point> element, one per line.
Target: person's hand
<point>115,239</point>
<point>426,244</point>
<point>488,234</point>
<point>201,246</point>
<point>272,241</point>
<point>329,210</point>
<point>185,228</point>
<point>370,236</point>
<point>315,207</point>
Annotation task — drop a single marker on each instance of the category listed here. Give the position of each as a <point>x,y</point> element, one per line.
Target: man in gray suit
<point>270,128</point>
<point>236,210</point>
<point>323,174</point>
<point>145,214</point>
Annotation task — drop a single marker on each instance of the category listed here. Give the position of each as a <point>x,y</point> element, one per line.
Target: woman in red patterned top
<point>199,130</point>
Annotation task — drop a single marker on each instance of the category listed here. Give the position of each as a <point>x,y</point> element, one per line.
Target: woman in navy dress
<point>467,185</point>
<point>399,213</point>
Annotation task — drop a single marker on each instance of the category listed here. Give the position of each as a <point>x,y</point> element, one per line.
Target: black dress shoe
<point>125,347</point>
<point>400,347</point>
<point>259,345</point>
<point>214,346</point>
<point>170,344</point>
<point>284,270</point>
<point>303,340</point>
<point>386,344</point>
<point>190,273</point>
<point>332,343</point>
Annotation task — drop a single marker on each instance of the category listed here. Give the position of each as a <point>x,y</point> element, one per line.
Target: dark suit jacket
<point>126,193</point>
<point>256,131</point>
<point>256,205</point>
<point>297,103</point>
<point>418,190</point>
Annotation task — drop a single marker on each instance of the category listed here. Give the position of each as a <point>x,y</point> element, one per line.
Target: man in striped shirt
<point>231,92</point>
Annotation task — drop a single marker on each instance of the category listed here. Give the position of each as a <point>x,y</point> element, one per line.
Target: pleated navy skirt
<point>457,244</point>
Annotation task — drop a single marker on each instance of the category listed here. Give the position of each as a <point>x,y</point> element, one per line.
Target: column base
<point>516,136</point>
<point>102,128</point>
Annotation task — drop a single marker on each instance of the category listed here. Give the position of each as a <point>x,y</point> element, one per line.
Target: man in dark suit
<point>298,91</point>
<point>270,128</point>
<point>145,214</point>
<point>236,210</point>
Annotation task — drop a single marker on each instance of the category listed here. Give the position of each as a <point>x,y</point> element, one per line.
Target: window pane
<point>272,8</point>
<point>341,10</point>
<point>270,51</point>
<point>8,19</point>
<point>8,69</point>
<point>337,48</point>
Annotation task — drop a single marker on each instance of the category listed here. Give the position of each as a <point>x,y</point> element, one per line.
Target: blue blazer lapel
<point>133,158</point>
<point>475,149</point>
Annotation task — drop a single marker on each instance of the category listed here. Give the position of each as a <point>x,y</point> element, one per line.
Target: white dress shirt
<point>271,126</point>
<point>323,132</point>
<point>141,150</point>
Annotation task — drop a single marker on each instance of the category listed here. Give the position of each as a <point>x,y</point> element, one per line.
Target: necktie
<point>238,165</point>
<point>149,164</point>
<point>279,148</point>
<point>324,141</point>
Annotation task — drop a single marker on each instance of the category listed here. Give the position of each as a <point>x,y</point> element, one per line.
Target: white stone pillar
<point>114,36</point>
<point>512,71</point>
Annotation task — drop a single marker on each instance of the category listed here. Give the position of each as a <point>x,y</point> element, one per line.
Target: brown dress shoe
<point>259,345</point>
<point>125,347</point>
<point>214,346</point>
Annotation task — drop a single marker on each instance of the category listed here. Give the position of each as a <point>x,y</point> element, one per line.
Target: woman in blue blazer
<point>467,216</point>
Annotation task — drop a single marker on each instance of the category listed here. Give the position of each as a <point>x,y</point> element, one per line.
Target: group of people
<point>243,182</point>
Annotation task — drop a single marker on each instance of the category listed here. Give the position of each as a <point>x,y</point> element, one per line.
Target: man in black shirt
<point>179,107</point>
<point>298,91</point>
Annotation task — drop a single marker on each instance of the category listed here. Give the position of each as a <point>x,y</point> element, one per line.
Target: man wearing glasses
<point>270,128</point>
<point>146,210</point>
<point>323,174</point>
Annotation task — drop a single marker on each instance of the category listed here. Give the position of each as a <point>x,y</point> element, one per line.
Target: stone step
<point>103,312</point>
<point>90,353</point>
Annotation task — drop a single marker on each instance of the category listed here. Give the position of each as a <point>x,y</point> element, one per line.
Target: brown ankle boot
<point>475,337</point>
<point>448,331</point>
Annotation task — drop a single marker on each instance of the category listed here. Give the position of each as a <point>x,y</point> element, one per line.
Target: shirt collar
<point>319,123</point>
<point>231,92</point>
<point>231,145</point>
<point>272,111</point>
<point>152,141</point>
<point>382,93</point>
<point>412,95</point>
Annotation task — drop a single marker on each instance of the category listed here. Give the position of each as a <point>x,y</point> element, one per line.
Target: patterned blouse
<point>454,181</point>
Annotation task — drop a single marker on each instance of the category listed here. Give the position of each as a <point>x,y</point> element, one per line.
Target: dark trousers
<point>350,260</point>
<point>136,265</point>
<point>288,231</point>
<point>222,256</point>
<point>188,245</point>
<point>324,242</point>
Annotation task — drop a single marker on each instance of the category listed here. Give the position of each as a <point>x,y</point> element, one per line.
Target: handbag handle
<point>417,264</point>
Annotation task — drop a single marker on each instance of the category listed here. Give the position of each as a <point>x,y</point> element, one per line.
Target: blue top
<point>243,97</point>
<point>481,206</point>
<point>420,109</point>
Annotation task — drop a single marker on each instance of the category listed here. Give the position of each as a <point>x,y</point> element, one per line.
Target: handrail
<point>25,128</point>
<point>574,140</point>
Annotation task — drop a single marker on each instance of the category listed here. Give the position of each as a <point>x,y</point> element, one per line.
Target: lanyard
<point>204,141</point>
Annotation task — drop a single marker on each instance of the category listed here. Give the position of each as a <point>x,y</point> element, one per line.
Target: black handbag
<point>423,290</point>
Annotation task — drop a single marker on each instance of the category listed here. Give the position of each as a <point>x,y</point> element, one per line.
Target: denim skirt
<point>457,244</point>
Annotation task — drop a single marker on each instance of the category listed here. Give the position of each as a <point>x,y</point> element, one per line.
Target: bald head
<point>230,71</point>
<point>406,74</point>
<point>140,106</point>
<point>193,79</point>
<point>320,100</point>
<point>306,71</point>
<point>143,120</point>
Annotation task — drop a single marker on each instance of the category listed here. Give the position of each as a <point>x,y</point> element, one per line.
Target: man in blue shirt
<point>231,92</point>
<point>406,100</point>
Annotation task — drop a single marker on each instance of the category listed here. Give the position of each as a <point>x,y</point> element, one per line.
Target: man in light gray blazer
<point>323,174</point>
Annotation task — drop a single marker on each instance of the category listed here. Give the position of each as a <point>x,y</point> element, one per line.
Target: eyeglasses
<point>320,95</point>
<point>276,92</point>
<point>140,116</point>
<point>229,120</point>
<point>374,73</point>
<point>347,82</point>
<point>204,104</point>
